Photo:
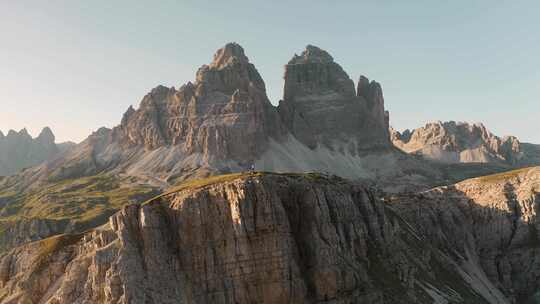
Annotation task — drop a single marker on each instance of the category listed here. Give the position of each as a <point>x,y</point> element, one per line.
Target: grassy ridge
<point>500,177</point>
<point>203,182</point>
<point>81,201</point>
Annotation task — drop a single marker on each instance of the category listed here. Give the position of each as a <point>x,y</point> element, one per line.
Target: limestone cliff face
<point>492,221</point>
<point>18,150</point>
<point>321,106</point>
<point>245,239</point>
<point>453,142</point>
<point>224,115</point>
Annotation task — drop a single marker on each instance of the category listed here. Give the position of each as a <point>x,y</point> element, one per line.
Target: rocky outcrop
<point>491,221</point>
<point>321,107</point>
<point>18,150</point>
<point>245,239</point>
<point>452,142</point>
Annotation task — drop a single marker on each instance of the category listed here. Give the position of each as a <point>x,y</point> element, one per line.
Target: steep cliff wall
<point>491,221</point>
<point>255,238</point>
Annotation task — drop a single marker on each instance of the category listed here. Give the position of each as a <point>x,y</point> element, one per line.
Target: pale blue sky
<point>77,65</point>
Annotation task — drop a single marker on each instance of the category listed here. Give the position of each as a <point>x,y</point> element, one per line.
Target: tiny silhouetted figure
<point>252,168</point>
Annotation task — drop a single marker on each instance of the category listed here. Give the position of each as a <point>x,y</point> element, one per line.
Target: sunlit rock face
<point>460,142</point>
<point>224,115</point>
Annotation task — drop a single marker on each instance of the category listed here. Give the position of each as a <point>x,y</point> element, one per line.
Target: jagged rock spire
<point>46,136</point>
<point>224,114</point>
<point>315,72</point>
<point>19,150</point>
<point>230,70</point>
<point>230,53</point>
<point>312,54</point>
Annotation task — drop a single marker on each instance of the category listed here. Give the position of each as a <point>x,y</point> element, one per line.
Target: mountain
<point>18,150</point>
<point>295,238</point>
<point>223,122</point>
<point>461,142</point>
<point>321,106</point>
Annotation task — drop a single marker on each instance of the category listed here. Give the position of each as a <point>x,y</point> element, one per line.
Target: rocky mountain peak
<point>230,70</point>
<point>373,95</point>
<point>363,86</point>
<point>19,150</point>
<point>371,91</point>
<point>12,133</point>
<point>453,142</point>
<point>312,54</point>
<point>46,136</point>
<point>22,134</point>
<point>320,104</point>
<point>315,72</point>
<point>127,115</point>
<point>230,54</point>
<point>2,136</point>
<point>224,114</point>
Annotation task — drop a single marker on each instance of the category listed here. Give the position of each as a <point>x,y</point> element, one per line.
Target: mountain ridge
<point>462,142</point>
<point>18,150</point>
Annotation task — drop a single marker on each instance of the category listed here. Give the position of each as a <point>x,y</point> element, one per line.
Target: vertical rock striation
<point>224,115</point>
<point>491,221</point>
<point>245,239</point>
<point>321,107</point>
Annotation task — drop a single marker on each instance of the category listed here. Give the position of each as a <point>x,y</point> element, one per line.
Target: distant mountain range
<point>461,142</point>
<point>18,150</point>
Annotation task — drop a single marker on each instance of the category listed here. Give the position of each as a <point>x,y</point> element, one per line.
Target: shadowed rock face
<point>320,105</point>
<point>244,239</point>
<point>452,142</point>
<point>492,220</point>
<point>18,150</point>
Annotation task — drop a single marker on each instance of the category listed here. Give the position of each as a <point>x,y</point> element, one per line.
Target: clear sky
<point>77,65</point>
